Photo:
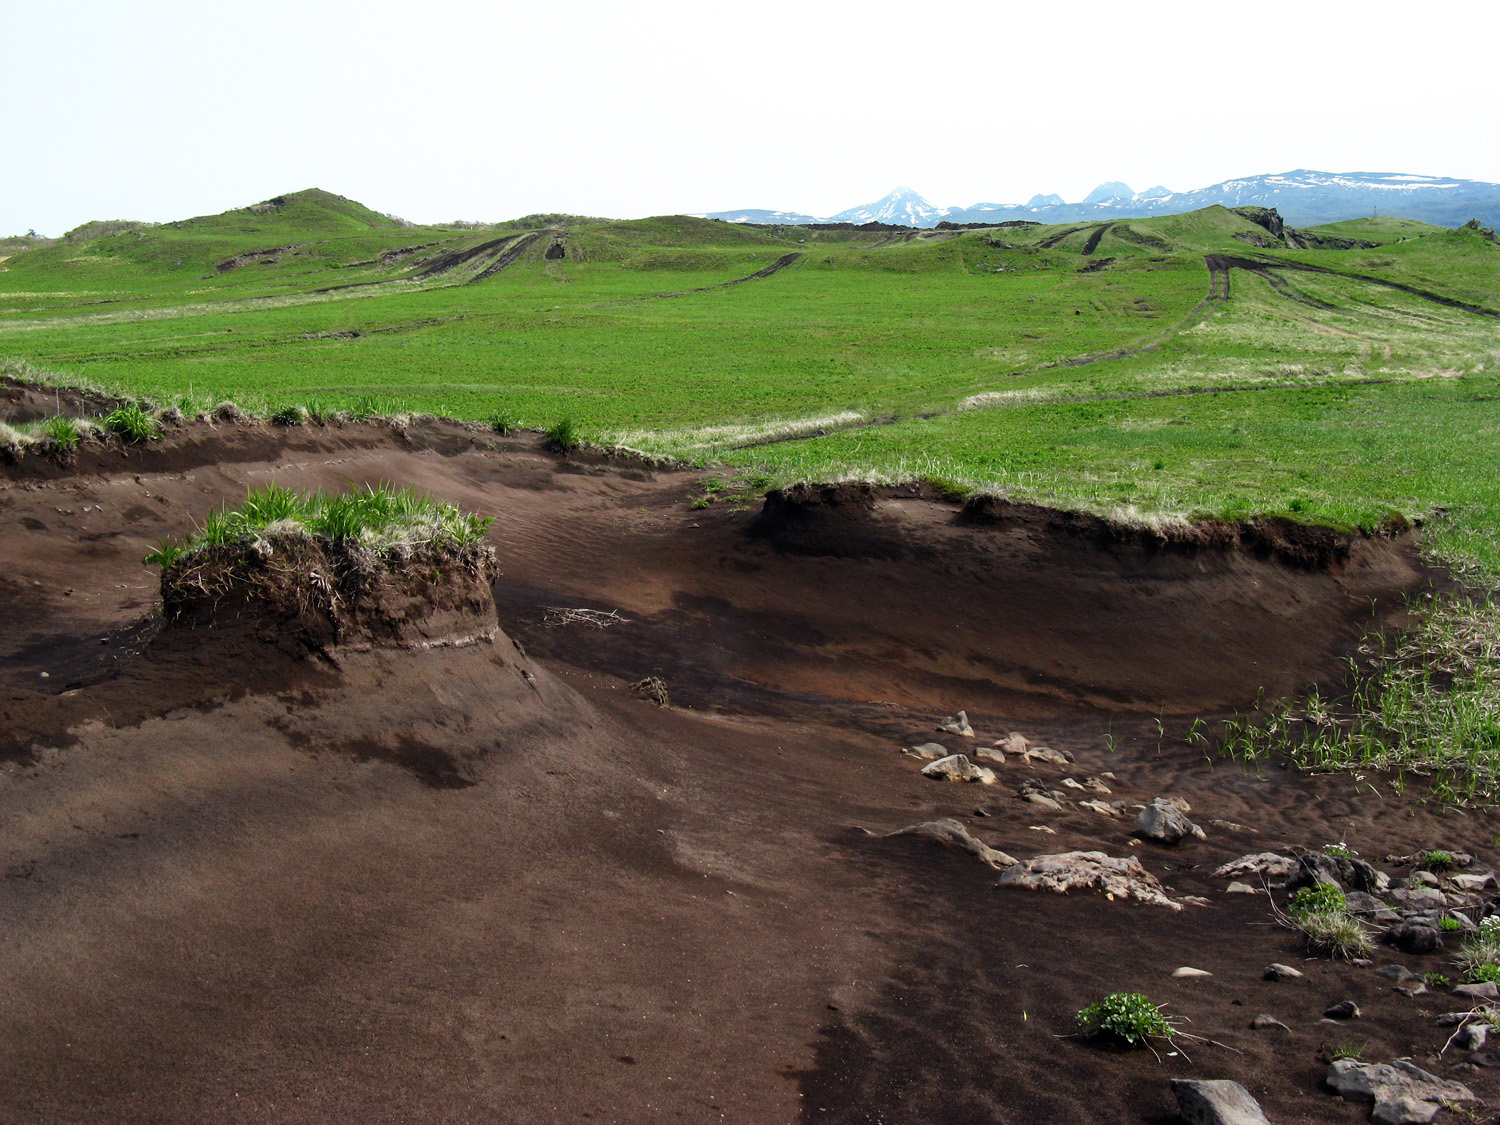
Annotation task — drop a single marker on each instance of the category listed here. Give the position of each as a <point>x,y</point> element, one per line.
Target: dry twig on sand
<point>594,618</point>
<point>653,689</point>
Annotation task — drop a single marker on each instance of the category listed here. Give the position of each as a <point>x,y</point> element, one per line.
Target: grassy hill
<point>1081,364</point>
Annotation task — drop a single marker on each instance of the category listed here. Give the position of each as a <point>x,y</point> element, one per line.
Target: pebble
<point>1241,889</point>
<point>1343,1010</point>
<point>1277,971</point>
<point>1190,972</point>
<point>1266,1023</point>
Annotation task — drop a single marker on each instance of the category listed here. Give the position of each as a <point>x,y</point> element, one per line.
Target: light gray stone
<point>1269,864</point>
<point>1484,990</point>
<point>1264,1022</point>
<point>1472,1037</point>
<point>1241,889</point>
<point>1473,883</point>
<point>957,767</point>
<point>957,724</point>
<point>951,834</point>
<point>1277,971</point>
<point>1187,972</point>
<point>1066,871</point>
<point>930,751</point>
<point>1402,1092</point>
<point>1163,822</point>
<point>1216,1101</point>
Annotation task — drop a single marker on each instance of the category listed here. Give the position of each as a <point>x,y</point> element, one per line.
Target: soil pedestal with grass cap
<point>377,567</point>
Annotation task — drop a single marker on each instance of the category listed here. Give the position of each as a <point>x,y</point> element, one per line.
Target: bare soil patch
<point>247,880</point>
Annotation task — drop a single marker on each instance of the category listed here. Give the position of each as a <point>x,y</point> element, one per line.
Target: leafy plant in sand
<point>1130,1018</point>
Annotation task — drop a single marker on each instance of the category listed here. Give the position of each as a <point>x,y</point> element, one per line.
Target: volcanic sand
<point>486,883</point>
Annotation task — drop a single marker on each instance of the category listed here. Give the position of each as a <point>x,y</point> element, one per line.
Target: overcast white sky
<point>446,109</point>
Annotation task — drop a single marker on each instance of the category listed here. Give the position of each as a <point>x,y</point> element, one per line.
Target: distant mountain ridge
<point>1303,196</point>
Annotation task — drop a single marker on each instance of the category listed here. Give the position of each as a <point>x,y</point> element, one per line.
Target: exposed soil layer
<point>253,881</point>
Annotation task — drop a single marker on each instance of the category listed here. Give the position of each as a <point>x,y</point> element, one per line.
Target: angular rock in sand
<point>1117,878</point>
<point>1269,864</point>
<point>1047,754</point>
<point>989,754</point>
<point>951,834</point>
<point>957,767</point>
<point>1216,1101</point>
<point>1472,1037</point>
<point>1343,1010</point>
<point>1264,1022</point>
<point>1473,883</point>
<point>1484,990</point>
<point>1277,971</point>
<point>1350,874</point>
<point>1413,937</point>
<point>1161,820</point>
<point>1187,972</point>
<point>1403,1093</point>
<point>1102,808</point>
<point>1241,889</point>
<point>1013,743</point>
<point>957,724</point>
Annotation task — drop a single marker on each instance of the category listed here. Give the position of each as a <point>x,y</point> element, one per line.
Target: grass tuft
<point>132,424</point>
<point>562,436</point>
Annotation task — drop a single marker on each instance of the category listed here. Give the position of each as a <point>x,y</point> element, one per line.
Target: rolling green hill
<point>1157,368</point>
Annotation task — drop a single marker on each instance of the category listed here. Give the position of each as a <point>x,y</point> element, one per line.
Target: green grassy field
<point>1061,364</point>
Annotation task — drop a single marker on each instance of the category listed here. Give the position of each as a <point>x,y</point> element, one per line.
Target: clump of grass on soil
<point>563,435</point>
<point>1423,705</point>
<point>132,424</point>
<point>1321,916</point>
<point>376,516</point>
<point>1479,954</point>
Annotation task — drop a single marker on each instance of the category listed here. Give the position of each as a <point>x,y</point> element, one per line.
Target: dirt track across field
<point>487,883</point>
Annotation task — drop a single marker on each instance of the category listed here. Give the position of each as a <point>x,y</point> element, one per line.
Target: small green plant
<point>289,415</point>
<point>1437,860</point>
<point>60,431</point>
<point>1341,851</point>
<point>1323,898</point>
<point>1480,948</point>
<point>701,502</point>
<point>562,435</point>
<point>713,484</point>
<point>131,423</point>
<point>319,411</point>
<point>1348,1049</point>
<point>504,423</point>
<point>1449,924</point>
<point>1437,980</point>
<point>1129,1017</point>
<point>1484,972</point>
<point>165,553</point>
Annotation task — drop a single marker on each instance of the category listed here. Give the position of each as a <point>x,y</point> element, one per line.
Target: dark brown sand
<point>486,884</point>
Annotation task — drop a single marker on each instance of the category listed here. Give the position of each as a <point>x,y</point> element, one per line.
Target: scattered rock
<point>1230,825</point>
<point>1241,889</point>
<point>957,724</point>
<point>951,834</point>
<point>1453,1019</point>
<point>1397,974</point>
<point>1269,864</point>
<point>988,754</point>
<point>1163,821</point>
<point>1420,898</point>
<point>1216,1101</point>
<point>1343,1010</point>
<point>957,767</point>
<point>1484,990</point>
<point>1413,937</point>
<point>1190,973</point>
<point>1114,809</point>
<point>1117,878</point>
<point>1046,802</point>
<point>1424,879</point>
<point>1472,1037</point>
<point>1353,874</point>
<point>1178,803</point>
<point>929,751</point>
<point>1013,743</point>
<point>1361,962</point>
<point>1414,987</point>
<point>1366,905</point>
<point>1047,754</point>
<point>1277,971</point>
<point>1403,1093</point>
<point>1047,828</point>
<point>1069,783</point>
<point>1264,1022</point>
<point>1473,883</point>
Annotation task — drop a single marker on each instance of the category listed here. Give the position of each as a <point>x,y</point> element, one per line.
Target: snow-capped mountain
<point>1304,198</point>
<point>903,207</point>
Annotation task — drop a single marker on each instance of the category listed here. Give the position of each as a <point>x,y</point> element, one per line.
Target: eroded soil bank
<point>485,882</point>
